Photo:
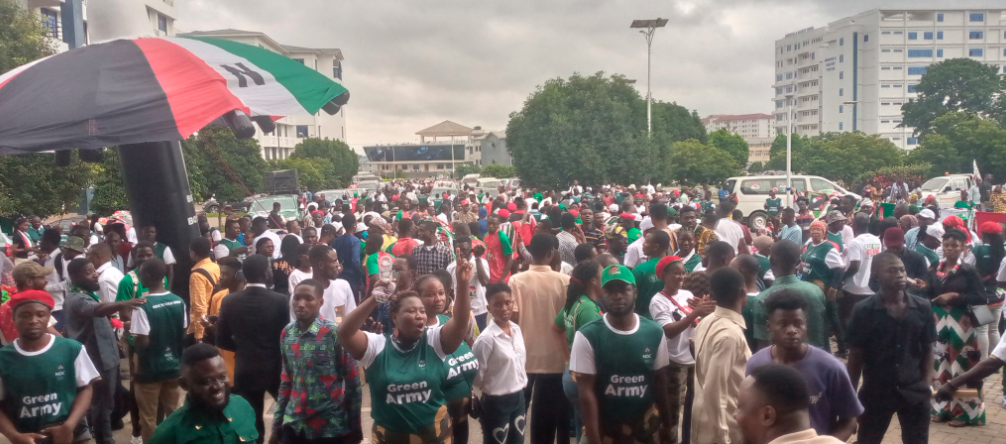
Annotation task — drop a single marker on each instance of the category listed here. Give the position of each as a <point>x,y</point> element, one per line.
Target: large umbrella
<point>152,89</point>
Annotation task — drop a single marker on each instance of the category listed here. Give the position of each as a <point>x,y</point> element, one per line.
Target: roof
<point>223,33</point>
<point>446,128</point>
<point>734,117</point>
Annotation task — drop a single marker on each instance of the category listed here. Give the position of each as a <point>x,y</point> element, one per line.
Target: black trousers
<point>99,415</point>
<point>289,436</point>
<point>550,419</point>
<point>257,400</point>
<point>878,410</point>
<point>503,419</point>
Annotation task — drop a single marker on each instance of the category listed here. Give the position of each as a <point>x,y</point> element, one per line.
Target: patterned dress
<point>956,349</point>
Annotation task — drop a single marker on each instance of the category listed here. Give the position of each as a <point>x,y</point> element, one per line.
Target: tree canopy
<point>956,85</point>
<point>499,171</point>
<point>695,162</point>
<point>956,139</point>
<point>593,128</point>
<point>22,36</point>
<point>733,144</point>
<point>109,193</point>
<point>840,156</point>
<point>335,160</point>
<point>219,164</point>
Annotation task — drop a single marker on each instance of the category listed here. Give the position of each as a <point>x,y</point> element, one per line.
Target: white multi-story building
<point>109,19</point>
<point>856,73</point>
<point>748,126</point>
<point>292,130</point>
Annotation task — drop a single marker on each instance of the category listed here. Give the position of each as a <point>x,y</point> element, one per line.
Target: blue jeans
<point>573,395</point>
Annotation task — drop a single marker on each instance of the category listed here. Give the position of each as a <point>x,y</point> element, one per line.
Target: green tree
<point>592,128</point>
<point>499,171</point>
<point>956,85</point>
<point>109,193</point>
<point>465,169</point>
<point>334,159</point>
<point>22,36</point>
<point>221,165</point>
<point>777,153</point>
<point>733,144</point>
<point>32,184</point>
<point>975,139</point>
<point>695,162</point>
<point>308,173</point>
<point>846,156</point>
<point>756,167</point>
<point>937,151</point>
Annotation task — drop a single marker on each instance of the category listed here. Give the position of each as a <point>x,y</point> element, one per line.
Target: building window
<point>789,47</point>
<point>841,126</point>
<point>866,37</point>
<point>975,52</point>
<point>841,109</point>
<point>162,23</point>
<point>916,70</point>
<point>841,58</point>
<point>911,88</point>
<point>928,35</point>
<point>977,17</point>
<point>913,140</point>
<point>899,50</point>
<point>841,92</point>
<point>913,36</point>
<point>939,35</point>
<point>301,61</point>
<point>885,50</point>
<point>976,35</point>
<point>885,86</point>
<point>50,21</point>
<point>778,77</point>
<point>898,68</point>
<point>841,75</point>
<point>337,69</point>
<point>939,17</point>
<point>886,33</point>
<point>885,121</point>
<point>898,32</point>
<point>939,53</point>
<point>920,53</point>
<point>886,68</point>
<point>302,131</point>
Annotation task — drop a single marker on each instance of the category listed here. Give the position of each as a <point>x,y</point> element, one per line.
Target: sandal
<point>937,419</point>
<point>957,423</point>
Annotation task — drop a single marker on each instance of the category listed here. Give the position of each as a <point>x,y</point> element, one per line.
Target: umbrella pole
<point>157,186</point>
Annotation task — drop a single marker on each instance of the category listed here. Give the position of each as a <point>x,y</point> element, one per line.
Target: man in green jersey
<point>46,379</point>
<point>230,246</point>
<point>930,241</point>
<point>158,328</point>
<point>616,362</point>
<point>655,245</point>
<point>211,414</point>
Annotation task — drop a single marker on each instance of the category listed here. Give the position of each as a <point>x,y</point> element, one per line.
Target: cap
<point>761,242</point>
<point>464,202</point>
<point>74,243</point>
<point>26,271</point>
<point>935,231</point>
<point>664,262</point>
<point>638,217</point>
<point>504,213</point>
<point>894,237</point>
<point>646,225</point>
<point>987,227</point>
<point>926,213</point>
<point>835,216</point>
<point>628,216</point>
<point>672,212</point>
<point>512,206</point>
<point>613,208</point>
<point>40,296</point>
<point>617,273</point>
<point>866,203</point>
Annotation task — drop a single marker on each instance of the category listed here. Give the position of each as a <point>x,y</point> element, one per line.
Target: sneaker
<point>1004,401</point>
<point>136,440</point>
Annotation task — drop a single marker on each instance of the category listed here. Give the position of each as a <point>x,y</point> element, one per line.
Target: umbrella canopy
<point>149,90</point>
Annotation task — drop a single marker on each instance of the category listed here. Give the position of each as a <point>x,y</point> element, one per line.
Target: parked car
<point>751,192</point>
<point>261,206</point>
<point>947,189</point>
<point>471,180</point>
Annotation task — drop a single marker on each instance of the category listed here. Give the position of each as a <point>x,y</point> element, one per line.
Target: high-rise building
<point>748,126</point>
<point>290,131</point>
<point>857,72</point>
<point>108,19</point>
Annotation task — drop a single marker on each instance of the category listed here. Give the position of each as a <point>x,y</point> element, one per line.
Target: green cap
<point>617,273</point>
<point>74,243</point>
<point>672,212</point>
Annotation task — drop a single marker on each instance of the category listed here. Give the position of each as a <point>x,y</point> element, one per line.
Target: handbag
<point>982,314</point>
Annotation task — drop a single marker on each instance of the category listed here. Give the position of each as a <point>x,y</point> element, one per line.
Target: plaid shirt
<point>432,259</point>
<point>319,393</point>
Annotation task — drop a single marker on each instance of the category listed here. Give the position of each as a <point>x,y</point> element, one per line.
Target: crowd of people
<point>613,314</point>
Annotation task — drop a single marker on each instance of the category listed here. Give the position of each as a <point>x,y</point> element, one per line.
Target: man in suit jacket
<point>251,323</point>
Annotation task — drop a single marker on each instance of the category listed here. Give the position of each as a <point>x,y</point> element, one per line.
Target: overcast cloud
<point>410,64</point>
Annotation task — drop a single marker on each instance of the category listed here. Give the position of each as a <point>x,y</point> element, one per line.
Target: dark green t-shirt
<point>647,285</point>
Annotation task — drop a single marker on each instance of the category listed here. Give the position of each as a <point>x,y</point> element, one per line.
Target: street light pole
<point>789,150</point>
<point>650,26</point>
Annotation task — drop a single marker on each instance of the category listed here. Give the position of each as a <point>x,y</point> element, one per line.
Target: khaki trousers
<point>148,395</point>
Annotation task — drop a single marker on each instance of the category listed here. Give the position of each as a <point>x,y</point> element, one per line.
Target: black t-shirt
<point>18,240</point>
<point>985,189</point>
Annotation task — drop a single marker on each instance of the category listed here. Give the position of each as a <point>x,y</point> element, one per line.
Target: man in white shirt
<point>480,278</point>
<point>100,256</point>
<point>858,256</point>
<point>260,226</point>
<point>634,252</point>
<point>338,298</point>
<point>728,230</point>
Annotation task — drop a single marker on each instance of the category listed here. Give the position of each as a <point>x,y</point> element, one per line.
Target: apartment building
<point>857,72</point>
<point>748,126</point>
<point>108,18</point>
<point>292,130</point>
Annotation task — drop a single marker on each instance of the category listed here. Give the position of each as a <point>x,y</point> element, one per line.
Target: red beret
<point>511,206</point>
<point>894,237</point>
<point>667,260</point>
<point>990,227</point>
<point>627,216</point>
<point>504,213</point>
<point>25,297</point>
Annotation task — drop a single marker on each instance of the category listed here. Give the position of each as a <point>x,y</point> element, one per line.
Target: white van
<point>488,182</point>
<point>471,180</point>
<point>751,192</point>
<point>947,189</point>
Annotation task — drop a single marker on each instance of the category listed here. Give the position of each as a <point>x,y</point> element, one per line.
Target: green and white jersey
<point>163,319</point>
<point>774,205</point>
<point>38,388</point>
<point>623,363</point>
<point>407,386</point>
<point>461,365</point>
<point>819,260</point>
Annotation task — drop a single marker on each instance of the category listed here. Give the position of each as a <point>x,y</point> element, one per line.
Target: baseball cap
<point>936,231</point>
<point>24,297</point>
<point>835,216</point>
<point>26,271</point>
<point>646,224</point>
<point>617,273</point>
<point>74,243</point>
<point>926,213</point>
<point>613,208</point>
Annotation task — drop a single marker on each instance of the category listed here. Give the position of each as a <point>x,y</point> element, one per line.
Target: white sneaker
<point>136,440</point>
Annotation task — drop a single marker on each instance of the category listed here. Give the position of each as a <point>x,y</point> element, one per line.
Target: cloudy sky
<point>410,64</point>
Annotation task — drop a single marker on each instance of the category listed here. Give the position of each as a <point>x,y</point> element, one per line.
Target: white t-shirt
<point>83,368</point>
<point>665,312</point>
<point>376,344</point>
<point>634,253</point>
<point>847,235</point>
<point>477,291</point>
<point>297,276</point>
<point>863,248</point>
<point>582,356</point>
<point>267,234</point>
<point>1000,350</point>
<point>338,294</point>
<point>833,259</point>
<point>729,232</point>
<point>141,325</point>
